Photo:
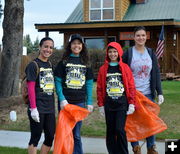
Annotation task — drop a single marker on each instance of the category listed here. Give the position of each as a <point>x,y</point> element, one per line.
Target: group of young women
<point>73,80</point>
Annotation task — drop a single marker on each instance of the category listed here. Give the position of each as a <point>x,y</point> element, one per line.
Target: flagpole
<point>163,57</point>
<point>164,45</point>
<point>160,45</point>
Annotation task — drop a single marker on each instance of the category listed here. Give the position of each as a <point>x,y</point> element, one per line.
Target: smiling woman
<point>46,49</point>
<point>145,69</point>
<point>41,109</point>
<point>74,82</point>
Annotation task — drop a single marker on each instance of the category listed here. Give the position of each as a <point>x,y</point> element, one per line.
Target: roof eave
<point>104,24</point>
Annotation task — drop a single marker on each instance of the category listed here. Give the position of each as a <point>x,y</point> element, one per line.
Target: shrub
<point>96,57</point>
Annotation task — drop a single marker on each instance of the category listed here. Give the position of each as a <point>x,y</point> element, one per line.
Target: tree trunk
<point>12,47</point>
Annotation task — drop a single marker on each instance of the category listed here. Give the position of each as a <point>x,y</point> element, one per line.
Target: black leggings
<point>116,140</point>
<point>47,123</point>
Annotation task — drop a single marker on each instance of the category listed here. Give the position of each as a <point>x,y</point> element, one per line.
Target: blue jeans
<point>150,140</point>
<point>77,135</point>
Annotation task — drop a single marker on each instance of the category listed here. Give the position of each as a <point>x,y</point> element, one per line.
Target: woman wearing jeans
<point>144,66</point>
<point>74,82</point>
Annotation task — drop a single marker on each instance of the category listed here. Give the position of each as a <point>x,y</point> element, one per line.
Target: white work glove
<point>131,109</point>
<point>63,104</point>
<point>101,110</point>
<point>35,114</point>
<point>90,108</point>
<point>160,99</point>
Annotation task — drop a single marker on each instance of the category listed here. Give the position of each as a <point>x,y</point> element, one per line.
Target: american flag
<point>160,45</point>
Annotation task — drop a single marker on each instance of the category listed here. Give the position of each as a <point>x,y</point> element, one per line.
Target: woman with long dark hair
<point>41,109</point>
<point>74,82</point>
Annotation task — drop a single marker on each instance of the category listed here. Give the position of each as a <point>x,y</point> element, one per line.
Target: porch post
<point>105,38</point>
<point>47,33</point>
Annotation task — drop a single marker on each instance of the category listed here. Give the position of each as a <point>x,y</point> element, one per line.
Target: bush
<point>125,48</point>
<point>97,58</point>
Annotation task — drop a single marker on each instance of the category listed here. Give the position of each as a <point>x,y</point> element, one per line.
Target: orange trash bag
<point>68,117</point>
<point>144,122</point>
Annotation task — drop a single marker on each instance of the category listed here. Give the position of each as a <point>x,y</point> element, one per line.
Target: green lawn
<point>170,110</point>
<point>9,150</point>
<point>94,124</point>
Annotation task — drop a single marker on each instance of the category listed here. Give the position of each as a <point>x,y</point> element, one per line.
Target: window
<point>97,42</point>
<point>101,10</point>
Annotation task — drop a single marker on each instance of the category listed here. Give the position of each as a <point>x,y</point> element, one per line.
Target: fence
<point>24,61</point>
<point>96,58</point>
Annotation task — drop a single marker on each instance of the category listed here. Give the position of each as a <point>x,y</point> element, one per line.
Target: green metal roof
<point>151,10</point>
<point>77,15</point>
<point>154,10</point>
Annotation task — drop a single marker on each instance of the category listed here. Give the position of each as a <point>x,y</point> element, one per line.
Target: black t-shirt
<point>115,92</point>
<point>74,75</point>
<point>44,87</point>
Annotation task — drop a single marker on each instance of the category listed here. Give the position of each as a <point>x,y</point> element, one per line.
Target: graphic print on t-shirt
<point>75,75</point>
<point>114,87</point>
<point>142,67</point>
<point>46,80</point>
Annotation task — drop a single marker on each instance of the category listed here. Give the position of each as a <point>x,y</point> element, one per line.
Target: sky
<point>44,11</point>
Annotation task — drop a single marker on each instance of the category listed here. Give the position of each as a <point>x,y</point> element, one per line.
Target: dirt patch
<point>15,103</point>
<point>12,103</point>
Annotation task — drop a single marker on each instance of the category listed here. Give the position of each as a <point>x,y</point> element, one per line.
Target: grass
<point>170,110</point>
<point>94,124</point>
<point>10,150</point>
<point>94,127</point>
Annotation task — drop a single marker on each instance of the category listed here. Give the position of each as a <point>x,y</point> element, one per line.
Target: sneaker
<point>137,149</point>
<point>152,150</point>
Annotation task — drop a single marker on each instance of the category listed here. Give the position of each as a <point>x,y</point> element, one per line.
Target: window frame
<point>101,11</point>
<point>98,37</point>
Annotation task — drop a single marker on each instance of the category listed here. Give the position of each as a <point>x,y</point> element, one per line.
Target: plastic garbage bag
<point>68,117</point>
<point>144,122</point>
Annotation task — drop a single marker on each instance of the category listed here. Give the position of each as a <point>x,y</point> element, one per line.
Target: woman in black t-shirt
<point>41,110</point>
<point>74,82</point>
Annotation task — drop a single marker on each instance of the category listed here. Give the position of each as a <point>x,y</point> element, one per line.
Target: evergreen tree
<point>31,47</point>
<point>36,45</point>
<point>28,43</point>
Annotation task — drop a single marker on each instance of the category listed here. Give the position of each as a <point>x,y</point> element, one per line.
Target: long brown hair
<point>84,56</point>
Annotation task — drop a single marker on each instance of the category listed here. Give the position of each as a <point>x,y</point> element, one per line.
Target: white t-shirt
<point>141,66</point>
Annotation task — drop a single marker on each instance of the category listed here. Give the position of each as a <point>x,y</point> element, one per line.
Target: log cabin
<point>103,21</point>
